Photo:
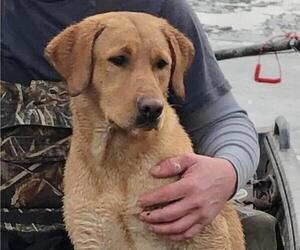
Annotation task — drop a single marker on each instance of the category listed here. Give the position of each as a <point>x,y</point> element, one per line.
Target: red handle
<point>258,78</point>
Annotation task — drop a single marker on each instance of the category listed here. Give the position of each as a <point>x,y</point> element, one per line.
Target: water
<point>228,22</point>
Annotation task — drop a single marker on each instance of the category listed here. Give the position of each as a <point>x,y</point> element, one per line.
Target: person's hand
<point>194,200</point>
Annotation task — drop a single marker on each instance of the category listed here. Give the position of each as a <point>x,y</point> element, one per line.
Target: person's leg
<point>259,228</point>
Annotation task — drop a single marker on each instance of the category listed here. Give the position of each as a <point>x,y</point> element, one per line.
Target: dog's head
<point>128,59</point>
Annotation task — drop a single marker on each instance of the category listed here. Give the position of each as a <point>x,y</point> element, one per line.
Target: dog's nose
<point>149,110</point>
<point>150,107</point>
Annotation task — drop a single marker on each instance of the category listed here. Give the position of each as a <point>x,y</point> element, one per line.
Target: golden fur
<point>109,160</point>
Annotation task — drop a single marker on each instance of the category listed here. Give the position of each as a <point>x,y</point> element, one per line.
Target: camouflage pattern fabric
<point>32,220</point>
<point>35,137</point>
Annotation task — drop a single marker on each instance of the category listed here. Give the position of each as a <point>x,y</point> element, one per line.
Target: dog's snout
<point>150,107</point>
<point>149,111</point>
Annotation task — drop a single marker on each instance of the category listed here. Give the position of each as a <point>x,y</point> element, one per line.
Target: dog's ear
<point>71,54</point>
<point>182,52</point>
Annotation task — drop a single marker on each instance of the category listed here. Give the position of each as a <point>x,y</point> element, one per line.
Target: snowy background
<point>246,21</point>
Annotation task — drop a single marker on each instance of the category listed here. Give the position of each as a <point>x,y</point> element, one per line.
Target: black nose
<point>149,110</point>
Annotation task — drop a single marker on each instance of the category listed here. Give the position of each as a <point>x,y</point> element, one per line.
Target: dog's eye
<point>118,60</point>
<point>161,64</point>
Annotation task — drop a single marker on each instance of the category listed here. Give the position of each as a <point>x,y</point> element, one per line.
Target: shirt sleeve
<point>215,122</point>
<point>223,130</point>
<point>204,81</point>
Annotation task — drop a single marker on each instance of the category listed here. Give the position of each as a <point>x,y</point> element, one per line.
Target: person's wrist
<point>229,171</point>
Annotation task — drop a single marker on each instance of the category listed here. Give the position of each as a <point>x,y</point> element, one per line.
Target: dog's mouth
<point>148,124</point>
<point>145,126</point>
<point>138,123</point>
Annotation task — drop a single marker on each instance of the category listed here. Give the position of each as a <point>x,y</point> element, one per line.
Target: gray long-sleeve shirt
<point>215,122</point>
<point>223,130</point>
<point>217,125</point>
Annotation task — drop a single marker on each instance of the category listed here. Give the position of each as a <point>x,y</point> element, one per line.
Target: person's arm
<point>217,125</point>
<point>218,128</point>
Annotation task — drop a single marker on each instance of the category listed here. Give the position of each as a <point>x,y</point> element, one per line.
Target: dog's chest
<point>130,177</point>
<point>128,174</point>
<point>120,194</point>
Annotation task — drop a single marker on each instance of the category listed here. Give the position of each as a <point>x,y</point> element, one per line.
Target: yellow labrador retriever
<point>118,67</point>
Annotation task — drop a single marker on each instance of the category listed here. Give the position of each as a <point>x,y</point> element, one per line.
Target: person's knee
<point>260,221</point>
<point>260,230</point>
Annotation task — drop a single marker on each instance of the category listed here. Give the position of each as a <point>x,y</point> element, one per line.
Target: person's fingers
<point>175,227</point>
<point>191,232</point>
<point>170,192</point>
<point>173,166</point>
<point>170,212</point>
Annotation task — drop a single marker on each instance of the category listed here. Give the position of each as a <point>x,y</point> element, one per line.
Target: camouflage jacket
<point>35,137</point>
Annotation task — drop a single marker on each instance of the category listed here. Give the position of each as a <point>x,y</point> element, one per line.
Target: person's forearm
<point>224,130</point>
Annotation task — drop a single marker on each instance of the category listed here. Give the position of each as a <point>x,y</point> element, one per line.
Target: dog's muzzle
<point>149,112</point>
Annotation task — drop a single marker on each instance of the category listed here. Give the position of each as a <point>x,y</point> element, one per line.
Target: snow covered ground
<point>247,21</point>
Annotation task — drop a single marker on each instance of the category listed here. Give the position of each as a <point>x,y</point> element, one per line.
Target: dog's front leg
<point>94,227</point>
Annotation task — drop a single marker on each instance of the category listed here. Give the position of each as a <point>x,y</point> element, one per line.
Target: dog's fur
<point>110,157</point>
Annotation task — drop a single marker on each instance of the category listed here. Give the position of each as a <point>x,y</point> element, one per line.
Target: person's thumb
<point>173,166</point>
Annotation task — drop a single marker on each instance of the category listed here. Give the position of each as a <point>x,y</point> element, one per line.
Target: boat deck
<point>264,102</point>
